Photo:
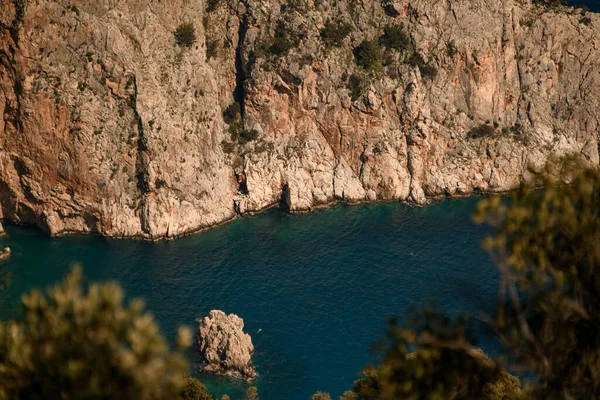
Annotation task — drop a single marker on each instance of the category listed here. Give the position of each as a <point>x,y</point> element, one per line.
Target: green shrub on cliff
<point>394,37</point>
<point>481,131</point>
<point>232,113</point>
<point>283,41</point>
<point>185,35</point>
<point>356,85</point>
<point>212,5</point>
<point>212,49</point>
<point>20,10</point>
<point>334,33</point>
<point>550,3</point>
<point>369,55</point>
<point>427,71</point>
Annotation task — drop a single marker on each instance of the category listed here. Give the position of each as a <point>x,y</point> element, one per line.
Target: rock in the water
<point>225,348</point>
<point>5,254</point>
<point>2,231</point>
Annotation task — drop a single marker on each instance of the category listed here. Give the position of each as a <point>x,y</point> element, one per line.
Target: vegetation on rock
<point>212,5</point>
<point>232,113</point>
<point>369,55</point>
<point>283,41</point>
<point>356,86</point>
<point>185,35</point>
<point>394,37</point>
<point>550,3</point>
<point>334,33</point>
<point>481,131</point>
<point>212,49</point>
<point>427,70</point>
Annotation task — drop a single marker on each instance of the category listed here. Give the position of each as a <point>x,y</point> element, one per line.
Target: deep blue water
<point>319,286</point>
<point>594,5</point>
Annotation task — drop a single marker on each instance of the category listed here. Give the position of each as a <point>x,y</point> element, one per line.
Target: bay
<point>314,289</point>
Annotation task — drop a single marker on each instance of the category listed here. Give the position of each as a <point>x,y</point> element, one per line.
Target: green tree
<point>72,345</point>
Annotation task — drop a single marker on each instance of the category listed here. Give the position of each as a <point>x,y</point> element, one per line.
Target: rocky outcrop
<point>224,347</point>
<point>5,254</point>
<point>107,126</point>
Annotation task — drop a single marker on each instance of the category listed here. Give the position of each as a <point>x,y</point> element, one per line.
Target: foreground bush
<point>72,345</point>
<point>548,317</point>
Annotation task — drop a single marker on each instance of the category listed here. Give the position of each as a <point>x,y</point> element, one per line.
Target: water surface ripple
<point>318,286</point>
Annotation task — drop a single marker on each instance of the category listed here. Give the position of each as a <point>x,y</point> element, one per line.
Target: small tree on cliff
<point>185,35</point>
<point>72,345</point>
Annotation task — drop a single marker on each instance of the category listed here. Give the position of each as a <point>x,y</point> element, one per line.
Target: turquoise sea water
<point>314,290</point>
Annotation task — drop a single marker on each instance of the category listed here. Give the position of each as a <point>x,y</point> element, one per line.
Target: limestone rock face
<point>108,126</point>
<point>224,347</point>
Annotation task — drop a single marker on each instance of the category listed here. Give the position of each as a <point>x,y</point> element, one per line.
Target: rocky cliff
<point>107,125</point>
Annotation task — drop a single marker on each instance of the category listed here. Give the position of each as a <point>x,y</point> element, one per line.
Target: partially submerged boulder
<point>5,254</point>
<point>224,347</point>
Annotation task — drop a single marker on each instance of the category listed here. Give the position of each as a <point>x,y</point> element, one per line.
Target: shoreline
<point>199,231</point>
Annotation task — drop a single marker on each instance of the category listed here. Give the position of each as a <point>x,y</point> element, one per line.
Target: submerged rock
<point>5,254</point>
<point>224,347</point>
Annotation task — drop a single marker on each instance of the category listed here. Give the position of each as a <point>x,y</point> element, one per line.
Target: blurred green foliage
<point>76,345</point>
<point>443,365</point>
<point>548,247</point>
